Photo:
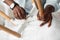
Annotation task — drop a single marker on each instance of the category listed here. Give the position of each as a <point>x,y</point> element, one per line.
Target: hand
<point>19,12</point>
<point>47,15</point>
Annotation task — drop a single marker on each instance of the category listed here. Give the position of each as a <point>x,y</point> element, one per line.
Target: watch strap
<point>12,6</point>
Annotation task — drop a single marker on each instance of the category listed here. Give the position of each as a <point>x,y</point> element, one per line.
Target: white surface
<point>32,30</point>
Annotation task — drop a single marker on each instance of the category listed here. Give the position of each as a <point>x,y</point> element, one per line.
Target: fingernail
<point>41,25</point>
<point>49,26</point>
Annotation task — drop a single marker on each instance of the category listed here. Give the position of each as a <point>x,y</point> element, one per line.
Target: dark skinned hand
<point>19,12</point>
<point>47,15</point>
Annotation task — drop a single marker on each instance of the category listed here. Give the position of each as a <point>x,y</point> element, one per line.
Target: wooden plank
<point>40,7</point>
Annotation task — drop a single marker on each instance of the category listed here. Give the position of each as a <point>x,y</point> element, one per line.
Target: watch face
<point>12,5</point>
<point>3,0</point>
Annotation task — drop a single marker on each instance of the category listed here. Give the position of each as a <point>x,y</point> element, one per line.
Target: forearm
<point>9,2</point>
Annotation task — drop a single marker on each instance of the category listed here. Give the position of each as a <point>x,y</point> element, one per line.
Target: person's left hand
<point>47,15</point>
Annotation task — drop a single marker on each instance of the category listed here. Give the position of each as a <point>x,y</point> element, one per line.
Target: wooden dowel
<point>40,7</point>
<point>6,17</point>
<point>32,1</point>
<point>10,31</point>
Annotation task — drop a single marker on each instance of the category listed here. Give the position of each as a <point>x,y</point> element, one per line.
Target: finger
<point>43,23</point>
<point>49,23</point>
<point>46,21</point>
<point>19,13</point>
<point>38,16</point>
<point>23,13</point>
<point>15,14</point>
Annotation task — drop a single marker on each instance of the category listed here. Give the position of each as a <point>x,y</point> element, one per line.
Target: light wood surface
<point>39,5</point>
<point>10,31</point>
<point>6,17</point>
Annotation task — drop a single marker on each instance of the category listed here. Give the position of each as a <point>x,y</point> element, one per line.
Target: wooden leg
<point>40,7</point>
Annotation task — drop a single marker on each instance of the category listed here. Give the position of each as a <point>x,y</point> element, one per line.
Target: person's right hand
<point>19,12</point>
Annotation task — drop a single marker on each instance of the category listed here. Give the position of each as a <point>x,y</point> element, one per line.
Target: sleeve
<point>28,5</point>
<point>58,0</point>
<point>54,3</point>
<point>2,0</point>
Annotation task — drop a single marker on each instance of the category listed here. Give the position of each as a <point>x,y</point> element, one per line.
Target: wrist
<point>12,6</point>
<point>8,2</point>
<point>49,9</point>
